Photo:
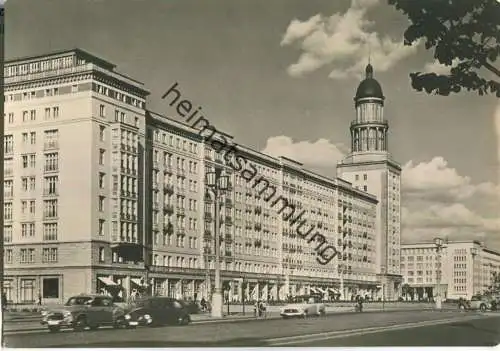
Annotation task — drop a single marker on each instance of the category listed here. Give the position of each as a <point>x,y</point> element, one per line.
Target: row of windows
<point>50,185</point>
<point>49,209</point>
<point>28,255</point>
<point>179,144</point>
<point>51,138</point>
<point>28,230</point>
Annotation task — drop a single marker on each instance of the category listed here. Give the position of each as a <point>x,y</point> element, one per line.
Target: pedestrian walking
<point>203,304</point>
<point>263,309</point>
<point>39,299</point>
<point>4,301</point>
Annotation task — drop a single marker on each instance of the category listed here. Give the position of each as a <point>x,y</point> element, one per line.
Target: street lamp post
<point>341,273</point>
<point>474,253</point>
<point>218,184</point>
<point>439,246</point>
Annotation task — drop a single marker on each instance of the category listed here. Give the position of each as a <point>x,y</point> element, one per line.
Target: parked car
<point>479,302</point>
<point>191,306</point>
<point>303,306</point>
<point>83,311</point>
<point>154,311</point>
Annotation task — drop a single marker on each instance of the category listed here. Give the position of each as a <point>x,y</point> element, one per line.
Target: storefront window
<point>50,288</point>
<point>27,290</point>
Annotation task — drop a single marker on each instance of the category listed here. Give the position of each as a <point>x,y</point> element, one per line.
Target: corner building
<point>462,269</point>
<point>102,195</point>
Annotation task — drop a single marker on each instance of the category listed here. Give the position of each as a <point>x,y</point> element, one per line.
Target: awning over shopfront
<point>313,290</point>
<point>137,281</point>
<point>335,291</point>
<point>321,290</point>
<point>107,281</point>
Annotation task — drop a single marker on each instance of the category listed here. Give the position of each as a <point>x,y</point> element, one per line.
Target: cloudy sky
<point>280,76</point>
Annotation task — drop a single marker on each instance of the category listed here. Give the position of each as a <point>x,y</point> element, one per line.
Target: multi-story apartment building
<point>461,269</point>
<point>103,195</point>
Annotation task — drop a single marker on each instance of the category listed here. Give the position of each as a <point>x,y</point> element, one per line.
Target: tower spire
<point>369,53</point>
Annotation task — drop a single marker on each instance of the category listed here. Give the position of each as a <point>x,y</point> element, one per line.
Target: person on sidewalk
<point>203,304</point>
<point>262,309</point>
<point>4,301</point>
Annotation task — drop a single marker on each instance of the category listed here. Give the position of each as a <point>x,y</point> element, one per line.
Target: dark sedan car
<point>154,311</point>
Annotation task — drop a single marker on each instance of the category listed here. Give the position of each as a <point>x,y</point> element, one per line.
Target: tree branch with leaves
<point>464,34</point>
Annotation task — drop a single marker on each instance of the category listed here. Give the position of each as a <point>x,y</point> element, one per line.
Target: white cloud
<point>439,68</point>
<point>455,221</point>
<point>320,153</point>
<point>342,40</point>
<point>435,197</point>
<point>435,181</point>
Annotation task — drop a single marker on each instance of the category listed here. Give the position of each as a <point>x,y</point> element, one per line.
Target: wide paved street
<point>365,329</point>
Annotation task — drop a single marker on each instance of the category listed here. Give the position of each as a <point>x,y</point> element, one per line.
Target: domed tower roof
<point>369,87</point>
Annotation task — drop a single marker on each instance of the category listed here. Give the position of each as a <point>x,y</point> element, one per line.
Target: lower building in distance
<point>103,195</point>
<point>461,269</point>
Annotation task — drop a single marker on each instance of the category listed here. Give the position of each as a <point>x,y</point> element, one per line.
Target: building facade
<point>462,269</point>
<point>102,195</point>
<point>370,167</point>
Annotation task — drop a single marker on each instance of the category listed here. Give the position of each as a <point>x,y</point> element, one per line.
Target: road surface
<point>356,329</point>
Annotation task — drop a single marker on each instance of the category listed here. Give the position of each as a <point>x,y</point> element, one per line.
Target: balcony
<point>181,231</point>
<point>48,193</point>
<point>207,235</point>
<point>208,157</point>
<point>51,145</point>
<point>46,169</point>
<point>365,123</point>
<point>167,169</point>
<point>228,238</point>
<point>258,226</point>
<point>229,203</point>
<point>126,216</point>
<point>181,211</point>
<point>208,217</point>
<point>168,209</point>
<point>168,189</point>
<point>168,228</point>
<point>229,221</point>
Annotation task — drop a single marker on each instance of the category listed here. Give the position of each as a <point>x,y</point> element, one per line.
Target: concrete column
<point>126,286</point>
<point>240,290</point>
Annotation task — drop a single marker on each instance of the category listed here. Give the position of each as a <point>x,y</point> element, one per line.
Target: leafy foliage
<point>464,34</point>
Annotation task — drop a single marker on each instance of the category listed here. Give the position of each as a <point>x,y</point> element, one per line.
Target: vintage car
<point>480,302</point>
<point>82,311</point>
<point>303,306</point>
<point>158,310</point>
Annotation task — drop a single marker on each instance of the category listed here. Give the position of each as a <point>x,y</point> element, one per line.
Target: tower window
<point>365,177</point>
<point>357,177</point>
<point>365,188</point>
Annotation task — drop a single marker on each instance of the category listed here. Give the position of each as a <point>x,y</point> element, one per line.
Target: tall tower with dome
<point>370,167</point>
